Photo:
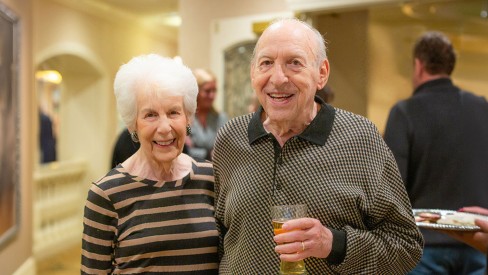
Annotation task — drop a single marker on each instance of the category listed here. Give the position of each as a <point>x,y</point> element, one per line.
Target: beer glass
<point>280,214</point>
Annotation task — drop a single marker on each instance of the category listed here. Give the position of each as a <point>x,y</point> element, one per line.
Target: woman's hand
<point>304,237</point>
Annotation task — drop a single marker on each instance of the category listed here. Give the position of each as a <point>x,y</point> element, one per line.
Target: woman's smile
<point>164,143</point>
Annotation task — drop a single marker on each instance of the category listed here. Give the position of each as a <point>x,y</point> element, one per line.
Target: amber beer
<point>288,267</point>
<point>281,214</point>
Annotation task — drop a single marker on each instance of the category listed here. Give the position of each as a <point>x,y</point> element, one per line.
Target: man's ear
<point>418,67</point>
<point>324,72</point>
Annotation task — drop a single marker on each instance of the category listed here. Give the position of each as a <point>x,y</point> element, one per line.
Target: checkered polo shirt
<point>341,168</point>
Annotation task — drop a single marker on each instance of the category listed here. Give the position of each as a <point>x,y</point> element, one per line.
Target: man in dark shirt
<point>439,138</point>
<point>124,148</point>
<point>47,138</point>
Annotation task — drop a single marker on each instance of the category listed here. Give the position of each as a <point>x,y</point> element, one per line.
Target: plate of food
<point>446,219</point>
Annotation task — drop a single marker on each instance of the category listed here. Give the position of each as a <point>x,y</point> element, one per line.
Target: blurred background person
<point>439,139</point>
<point>154,212</point>
<point>47,138</point>
<point>207,120</point>
<point>124,148</point>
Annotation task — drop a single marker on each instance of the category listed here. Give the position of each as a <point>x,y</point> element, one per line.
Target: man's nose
<point>279,75</point>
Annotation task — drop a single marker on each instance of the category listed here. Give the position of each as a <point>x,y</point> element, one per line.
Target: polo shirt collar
<point>316,132</point>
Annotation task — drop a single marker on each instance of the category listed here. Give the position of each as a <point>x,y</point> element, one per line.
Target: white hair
<point>157,74</point>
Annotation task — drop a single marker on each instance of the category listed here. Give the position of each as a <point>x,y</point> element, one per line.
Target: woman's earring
<point>134,137</point>
<point>188,130</point>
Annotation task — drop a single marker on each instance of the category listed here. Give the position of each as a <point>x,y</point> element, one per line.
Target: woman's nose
<point>164,125</point>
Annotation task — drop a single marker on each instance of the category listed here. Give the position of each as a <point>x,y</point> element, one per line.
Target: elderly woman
<point>207,120</point>
<point>154,212</point>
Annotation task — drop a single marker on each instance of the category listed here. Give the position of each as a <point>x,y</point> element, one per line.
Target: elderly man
<point>296,149</point>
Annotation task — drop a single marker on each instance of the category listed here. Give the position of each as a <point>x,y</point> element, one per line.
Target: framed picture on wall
<point>9,126</point>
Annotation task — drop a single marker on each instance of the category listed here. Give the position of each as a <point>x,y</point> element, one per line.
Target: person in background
<point>439,139</point>
<point>295,149</point>
<point>154,212</point>
<point>124,148</point>
<point>207,119</point>
<point>47,138</point>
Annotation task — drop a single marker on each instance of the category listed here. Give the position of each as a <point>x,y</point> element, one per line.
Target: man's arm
<point>391,243</point>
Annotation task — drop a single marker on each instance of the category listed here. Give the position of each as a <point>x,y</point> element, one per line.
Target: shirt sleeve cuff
<point>339,244</point>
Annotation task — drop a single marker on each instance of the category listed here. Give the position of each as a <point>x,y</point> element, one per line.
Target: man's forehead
<point>287,26</point>
<point>285,33</point>
<point>287,45</point>
<point>274,51</point>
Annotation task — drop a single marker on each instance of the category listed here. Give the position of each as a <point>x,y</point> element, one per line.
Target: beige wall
<point>194,36</point>
<point>348,57</point>
<point>87,46</point>
<point>19,249</point>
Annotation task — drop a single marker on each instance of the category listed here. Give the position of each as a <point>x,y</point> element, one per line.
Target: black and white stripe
<point>135,225</point>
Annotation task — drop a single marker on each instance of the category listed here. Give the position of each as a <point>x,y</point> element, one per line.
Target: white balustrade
<point>60,195</point>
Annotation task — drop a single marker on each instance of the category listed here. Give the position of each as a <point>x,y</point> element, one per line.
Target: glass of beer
<point>280,214</point>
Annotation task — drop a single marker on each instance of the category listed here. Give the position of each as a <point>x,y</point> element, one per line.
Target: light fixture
<point>407,9</point>
<point>51,76</point>
<point>484,10</point>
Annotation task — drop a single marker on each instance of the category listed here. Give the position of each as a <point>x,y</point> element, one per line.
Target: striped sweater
<point>135,225</point>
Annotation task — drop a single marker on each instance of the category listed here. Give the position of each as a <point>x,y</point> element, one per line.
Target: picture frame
<point>9,126</point>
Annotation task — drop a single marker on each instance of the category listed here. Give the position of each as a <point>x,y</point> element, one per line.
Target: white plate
<point>443,214</point>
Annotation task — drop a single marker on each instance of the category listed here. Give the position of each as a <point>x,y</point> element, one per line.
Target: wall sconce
<point>259,27</point>
<point>484,10</point>
<point>51,76</point>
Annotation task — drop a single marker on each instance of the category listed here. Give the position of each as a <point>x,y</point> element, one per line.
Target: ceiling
<point>144,7</point>
<point>443,10</point>
<point>153,12</point>
<point>166,12</point>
